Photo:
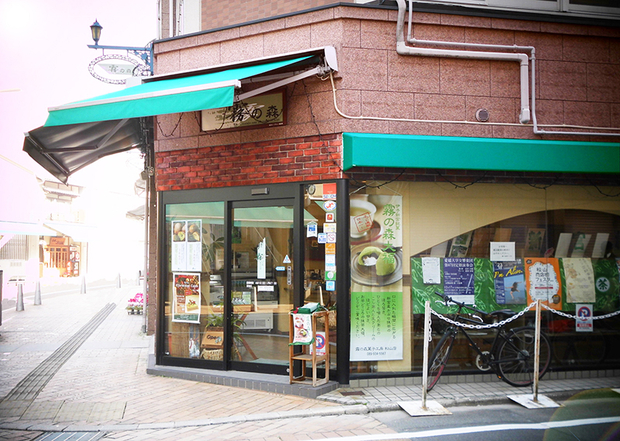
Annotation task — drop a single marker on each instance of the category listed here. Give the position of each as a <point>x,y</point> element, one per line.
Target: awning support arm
<point>318,70</point>
<point>44,152</point>
<point>111,133</point>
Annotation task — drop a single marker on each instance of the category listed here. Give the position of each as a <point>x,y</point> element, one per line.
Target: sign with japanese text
<point>579,276</point>
<point>186,251</point>
<point>262,110</point>
<point>543,281</point>
<point>458,279</point>
<point>376,326</point>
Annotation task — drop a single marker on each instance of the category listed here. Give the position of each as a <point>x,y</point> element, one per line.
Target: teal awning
<point>459,153</point>
<point>77,134</point>
<point>186,94</point>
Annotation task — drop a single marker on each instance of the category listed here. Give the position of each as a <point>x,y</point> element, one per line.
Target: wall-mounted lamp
<point>95,31</point>
<point>144,53</point>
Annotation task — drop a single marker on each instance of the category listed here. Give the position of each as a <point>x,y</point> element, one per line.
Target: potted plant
<point>215,324</point>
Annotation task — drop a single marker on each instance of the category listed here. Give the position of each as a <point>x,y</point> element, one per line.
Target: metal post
<point>536,353</point>
<point>147,222</point>
<point>427,335</point>
<point>83,288</point>
<point>20,298</point>
<point>37,293</point>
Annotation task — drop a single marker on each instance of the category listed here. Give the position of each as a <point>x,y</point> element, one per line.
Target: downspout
<point>524,117</point>
<point>403,49</point>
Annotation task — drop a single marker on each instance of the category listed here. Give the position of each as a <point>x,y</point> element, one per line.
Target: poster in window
<point>186,298</point>
<point>186,252</point>
<point>579,250</point>
<point>458,279</point>
<point>534,240</point>
<point>376,326</point>
<point>542,277</point>
<point>376,252</point>
<point>460,245</point>
<point>579,276</point>
<point>509,280</point>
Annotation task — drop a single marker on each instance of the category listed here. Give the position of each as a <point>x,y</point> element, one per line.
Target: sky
<point>44,58</point>
<point>44,62</point>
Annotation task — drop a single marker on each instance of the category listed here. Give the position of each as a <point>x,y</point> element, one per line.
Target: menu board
<point>186,299</point>
<point>376,326</point>
<point>186,250</point>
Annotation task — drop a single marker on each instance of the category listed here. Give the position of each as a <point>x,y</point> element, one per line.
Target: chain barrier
<point>574,317</point>
<point>430,328</point>
<point>491,325</point>
<point>516,316</point>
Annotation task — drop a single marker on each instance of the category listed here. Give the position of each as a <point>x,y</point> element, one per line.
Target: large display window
<point>500,246</point>
<point>193,312</point>
<point>236,262</point>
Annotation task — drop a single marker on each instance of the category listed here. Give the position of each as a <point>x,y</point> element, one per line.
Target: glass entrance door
<point>262,284</point>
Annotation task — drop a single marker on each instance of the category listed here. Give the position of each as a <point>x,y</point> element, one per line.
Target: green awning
<point>186,94</point>
<point>78,134</point>
<point>459,153</point>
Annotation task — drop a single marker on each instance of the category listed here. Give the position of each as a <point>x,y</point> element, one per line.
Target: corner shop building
<point>304,159</point>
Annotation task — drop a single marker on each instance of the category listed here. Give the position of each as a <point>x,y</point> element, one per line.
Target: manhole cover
<point>352,392</point>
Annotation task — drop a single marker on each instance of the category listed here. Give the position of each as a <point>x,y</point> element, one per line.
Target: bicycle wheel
<point>438,360</point>
<point>515,357</point>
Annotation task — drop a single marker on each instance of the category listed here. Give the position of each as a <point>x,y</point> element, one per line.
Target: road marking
<point>480,429</point>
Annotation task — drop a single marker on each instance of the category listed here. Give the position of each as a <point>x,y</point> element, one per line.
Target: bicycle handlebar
<point>459,304</point>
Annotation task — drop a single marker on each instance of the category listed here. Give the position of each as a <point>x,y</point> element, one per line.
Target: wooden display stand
<point>305,356</point>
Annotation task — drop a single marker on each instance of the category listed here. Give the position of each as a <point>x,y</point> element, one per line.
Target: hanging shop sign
<point>115,69</point>
<point>186,300</point>
<point>262,110</point>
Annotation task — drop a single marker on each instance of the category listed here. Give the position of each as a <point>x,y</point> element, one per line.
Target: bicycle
<point>511,356</point>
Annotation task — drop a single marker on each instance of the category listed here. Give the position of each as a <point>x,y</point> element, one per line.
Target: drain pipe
<point>524,117</point>
<point>403,49</point>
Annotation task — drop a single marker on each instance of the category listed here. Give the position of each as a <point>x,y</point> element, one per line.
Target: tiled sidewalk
<point>104,386</point>
<point>449,394</point>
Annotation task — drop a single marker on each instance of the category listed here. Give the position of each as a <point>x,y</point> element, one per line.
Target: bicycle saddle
<point>503,312</point>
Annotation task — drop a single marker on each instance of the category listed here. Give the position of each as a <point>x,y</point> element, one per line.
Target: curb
<point>346,409</point>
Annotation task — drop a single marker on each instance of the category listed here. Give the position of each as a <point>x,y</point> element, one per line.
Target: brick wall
<point>253,163</point>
